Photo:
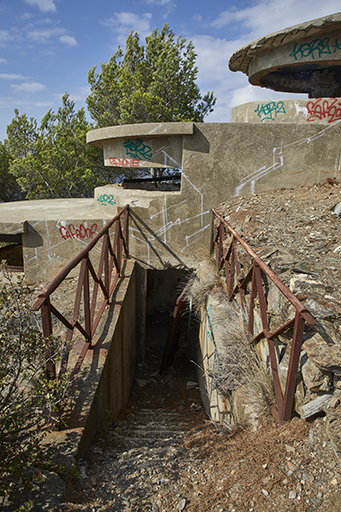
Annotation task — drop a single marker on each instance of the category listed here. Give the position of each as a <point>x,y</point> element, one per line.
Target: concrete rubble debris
<point>296,232</point>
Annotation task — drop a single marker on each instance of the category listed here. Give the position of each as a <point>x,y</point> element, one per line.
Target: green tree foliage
<point>53,160</point>
<point>9,188</point>
<point>28,399</point>
<point>148,83</point>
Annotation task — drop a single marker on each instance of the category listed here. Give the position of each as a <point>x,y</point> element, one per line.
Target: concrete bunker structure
<point>267,145</point>
<point>301,58</point>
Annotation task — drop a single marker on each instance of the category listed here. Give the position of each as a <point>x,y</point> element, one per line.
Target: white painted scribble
<point>300,110</point>
<point>278,160</point>
<point>167,225</point>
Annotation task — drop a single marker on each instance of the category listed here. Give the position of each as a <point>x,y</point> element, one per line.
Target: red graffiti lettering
<point>124,162</point>
<point>324,109</point>
<point>81,232</point>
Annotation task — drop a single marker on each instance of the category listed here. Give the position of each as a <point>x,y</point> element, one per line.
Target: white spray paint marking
<point>169,208</point>
<point>155,129</point>
<point>201,197</point>
<point>278,159</point>
<point>192,235</point>
<point>301,110</point>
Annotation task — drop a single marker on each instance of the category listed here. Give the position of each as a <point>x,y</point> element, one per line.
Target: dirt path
<point>164,454</point>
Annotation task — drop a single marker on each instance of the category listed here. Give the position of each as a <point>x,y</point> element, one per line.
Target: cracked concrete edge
<point>241,58</point>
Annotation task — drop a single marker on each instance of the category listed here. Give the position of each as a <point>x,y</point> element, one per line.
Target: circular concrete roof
<point>302,58</point>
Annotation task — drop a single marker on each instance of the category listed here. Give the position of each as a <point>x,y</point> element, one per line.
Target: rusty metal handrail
<point>228,258</point>
<point>111,256</point>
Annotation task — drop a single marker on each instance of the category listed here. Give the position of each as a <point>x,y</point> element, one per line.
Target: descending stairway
<point>134,465</point>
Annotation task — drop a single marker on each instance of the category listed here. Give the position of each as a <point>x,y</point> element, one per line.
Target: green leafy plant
<point>52,159</point>
<point>148,83</point>
<point>29,398</point>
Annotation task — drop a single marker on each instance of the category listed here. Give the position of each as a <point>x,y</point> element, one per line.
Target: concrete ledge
<point>96,137</point>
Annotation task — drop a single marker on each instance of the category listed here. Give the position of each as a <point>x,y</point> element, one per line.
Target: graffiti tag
<point>315,49</point>
<point>138,149</point>
<point>324,109</point>
<point>105,199</point>
<point>209,320</point>
<point>270,110</point>
<point>124,162</point>
<point>81,232</point>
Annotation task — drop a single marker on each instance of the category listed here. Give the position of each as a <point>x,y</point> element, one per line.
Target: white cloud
<point>124,22</point>
<point>158,2</point>
<point>3,61</point>
<point>268,16</point>
<point>11,76</point>
<point>213,54</point>
<point>5,37</point>
<point>68,40</point>
<point>43,5</point>
<point>43,36</point>
<point>168,6</point>
<point>80,94</point>
<point>26,16</point>
<point>5,101</point>
<point>45,21</point>
<point>30,87</point>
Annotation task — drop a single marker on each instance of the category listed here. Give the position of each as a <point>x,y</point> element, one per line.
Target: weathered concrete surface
<point>221,160</point>
<point>116,377</point>
<point>154,150</point>
<point>103,385</point>
<point>301,58</point>
<point>321,110</point>
<point>53,232</point>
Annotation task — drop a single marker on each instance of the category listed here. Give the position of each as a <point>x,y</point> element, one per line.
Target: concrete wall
<point>316,110</point>
<point>220,161</point>
<point>53,231</point>
<point>114,386</point>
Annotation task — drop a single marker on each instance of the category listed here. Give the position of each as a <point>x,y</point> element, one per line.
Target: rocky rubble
<point>297,233</point>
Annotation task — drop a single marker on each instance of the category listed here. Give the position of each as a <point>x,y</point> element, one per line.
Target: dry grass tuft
<point>236,365</point>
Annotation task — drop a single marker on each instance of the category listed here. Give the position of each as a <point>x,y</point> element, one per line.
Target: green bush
<point>28,398</point>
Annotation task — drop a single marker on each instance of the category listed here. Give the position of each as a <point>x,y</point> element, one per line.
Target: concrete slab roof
<point>48,209</point>
<point>240,60</point>
<point>97,137</point>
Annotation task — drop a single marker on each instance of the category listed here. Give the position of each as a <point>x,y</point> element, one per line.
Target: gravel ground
<point>164,454</point>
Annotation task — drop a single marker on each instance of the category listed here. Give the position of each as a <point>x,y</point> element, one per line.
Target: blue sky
<point>48,46</point>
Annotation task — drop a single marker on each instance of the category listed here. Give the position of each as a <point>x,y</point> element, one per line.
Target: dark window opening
<point>11,251</point>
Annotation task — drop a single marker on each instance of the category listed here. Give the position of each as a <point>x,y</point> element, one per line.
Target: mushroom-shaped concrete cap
<point>302,58</point>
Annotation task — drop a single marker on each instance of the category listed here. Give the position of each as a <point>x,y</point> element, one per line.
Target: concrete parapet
<point>320,110</point>
<point>103,385</point>
<point>302,58</point>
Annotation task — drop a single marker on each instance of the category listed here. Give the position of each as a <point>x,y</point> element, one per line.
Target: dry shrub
<point>236,364</point>
<point>208,284</point>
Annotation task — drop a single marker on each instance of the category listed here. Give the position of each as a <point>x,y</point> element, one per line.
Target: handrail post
<point>126,232</point>
<point>86,288</point>
<point>290,386</point>
<point>47,332</point>
<point>106,264</point>
<point>212,233</point>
